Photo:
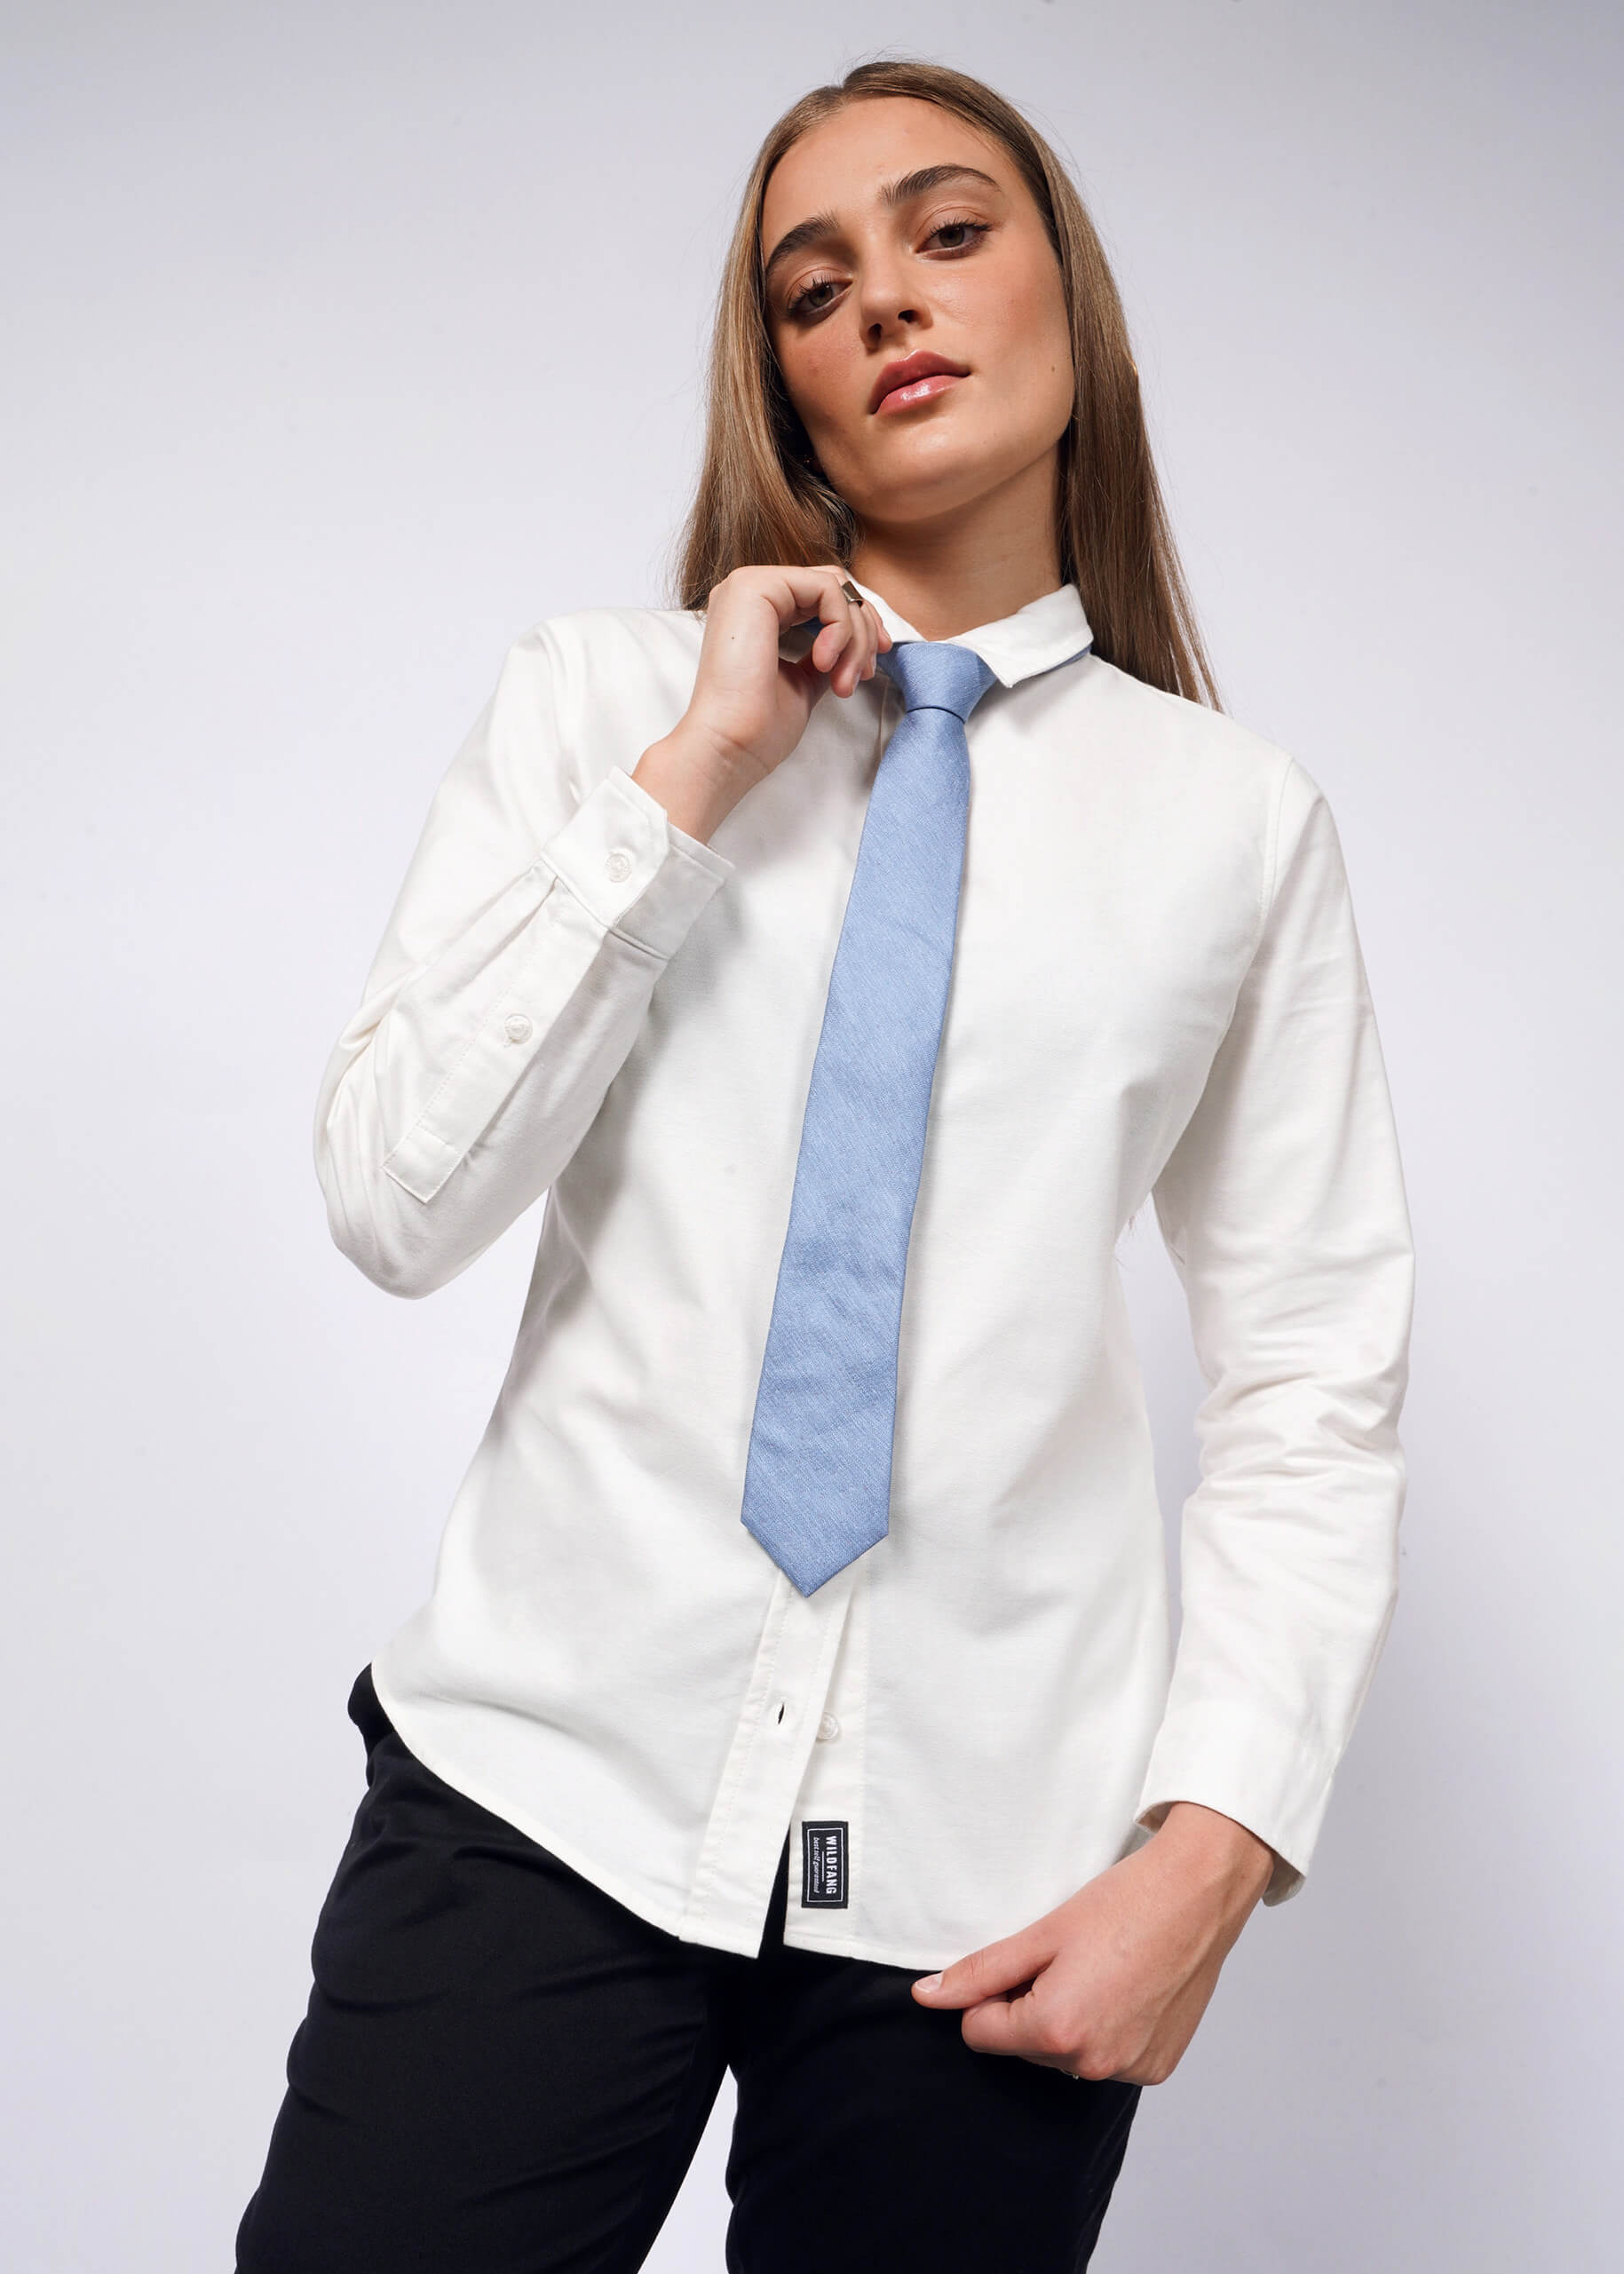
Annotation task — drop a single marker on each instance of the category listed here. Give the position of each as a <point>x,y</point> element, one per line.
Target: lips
<point>909,375</point>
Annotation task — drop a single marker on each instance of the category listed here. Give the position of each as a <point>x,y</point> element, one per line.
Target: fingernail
<point>928,1981</point>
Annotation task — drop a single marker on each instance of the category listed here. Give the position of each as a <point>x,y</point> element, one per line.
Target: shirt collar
<point>1045,632</point>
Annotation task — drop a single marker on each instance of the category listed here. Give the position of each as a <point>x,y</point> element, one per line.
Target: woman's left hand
<point>1114,1981</point>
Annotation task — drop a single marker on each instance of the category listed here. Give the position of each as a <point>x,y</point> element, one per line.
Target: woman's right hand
<point>749,708</point>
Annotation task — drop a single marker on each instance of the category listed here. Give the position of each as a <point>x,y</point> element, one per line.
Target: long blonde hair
<point>762,497</point>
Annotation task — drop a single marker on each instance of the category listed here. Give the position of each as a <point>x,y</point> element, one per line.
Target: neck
<point>974,565</point>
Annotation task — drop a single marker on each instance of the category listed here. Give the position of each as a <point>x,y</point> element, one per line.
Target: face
<point>914,304</point>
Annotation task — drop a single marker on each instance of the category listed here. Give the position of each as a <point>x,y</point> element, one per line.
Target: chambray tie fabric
<point>816,1486</point>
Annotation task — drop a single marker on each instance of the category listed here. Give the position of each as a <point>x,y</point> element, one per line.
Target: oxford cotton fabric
<point>1157,994</point>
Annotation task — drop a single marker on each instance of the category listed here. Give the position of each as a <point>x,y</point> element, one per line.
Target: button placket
<point>834,1782</point>
<point>766,1764</point>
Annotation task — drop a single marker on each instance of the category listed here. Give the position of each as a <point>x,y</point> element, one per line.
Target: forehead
<point>842,165</point>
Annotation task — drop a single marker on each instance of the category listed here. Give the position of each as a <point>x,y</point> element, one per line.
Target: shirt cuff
<point>1247,1767</point>
<point>633,870</point>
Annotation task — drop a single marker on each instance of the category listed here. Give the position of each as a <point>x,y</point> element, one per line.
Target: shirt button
<point>618,864</point>
<point>829,1728</point>
<point>518,1027</point>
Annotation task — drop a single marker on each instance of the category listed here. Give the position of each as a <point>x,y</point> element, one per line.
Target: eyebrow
<point>817,226</point>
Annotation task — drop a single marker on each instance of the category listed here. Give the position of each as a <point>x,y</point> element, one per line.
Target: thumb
<point>985,1973</point>
<point>812,682</point>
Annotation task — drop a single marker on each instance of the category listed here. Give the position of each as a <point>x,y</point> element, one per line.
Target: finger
<point>860,658</point>
<point>869,630</point>
<point>795,593</point>
<point>1001,1965</point>
<point>869,639</point>
<point>848,671</point>
<point>799,594</point>
<point>880,641</point>
<point>1010,2025</point>
<point>837,648</point>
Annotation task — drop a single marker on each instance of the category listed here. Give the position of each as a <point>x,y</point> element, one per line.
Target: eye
<point>963,233</point>
<point>812,297</point>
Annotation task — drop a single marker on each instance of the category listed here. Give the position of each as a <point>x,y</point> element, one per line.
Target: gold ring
<point>851,592</point>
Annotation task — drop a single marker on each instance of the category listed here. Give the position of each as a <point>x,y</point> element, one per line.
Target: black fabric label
<point>823,1867</point>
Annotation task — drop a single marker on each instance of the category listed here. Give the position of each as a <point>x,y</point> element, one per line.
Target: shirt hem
<point>637,1900</point>
<point>668,1918</point>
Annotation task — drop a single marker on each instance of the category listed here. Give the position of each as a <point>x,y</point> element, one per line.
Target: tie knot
<point>938,675</point>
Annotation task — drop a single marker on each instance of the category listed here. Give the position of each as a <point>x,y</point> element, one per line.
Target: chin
<point>940,480</point>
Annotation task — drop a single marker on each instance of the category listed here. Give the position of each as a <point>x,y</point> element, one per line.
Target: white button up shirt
<point>1156,992</point>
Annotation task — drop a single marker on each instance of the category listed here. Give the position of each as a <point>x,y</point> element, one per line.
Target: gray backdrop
<point>345,342</point>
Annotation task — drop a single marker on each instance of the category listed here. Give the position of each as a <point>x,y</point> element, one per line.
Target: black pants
<point>504,2071</point>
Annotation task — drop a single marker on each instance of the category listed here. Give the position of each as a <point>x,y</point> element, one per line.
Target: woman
<point>794,1691</point>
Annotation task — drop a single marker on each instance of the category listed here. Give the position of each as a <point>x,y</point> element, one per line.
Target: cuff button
<point>619,865</point>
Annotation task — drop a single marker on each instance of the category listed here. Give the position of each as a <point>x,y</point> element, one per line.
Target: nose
<point>888,301</point>
<point>900,319</point>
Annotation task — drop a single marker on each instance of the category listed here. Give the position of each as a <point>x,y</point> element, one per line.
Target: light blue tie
<point>817,1483</point>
